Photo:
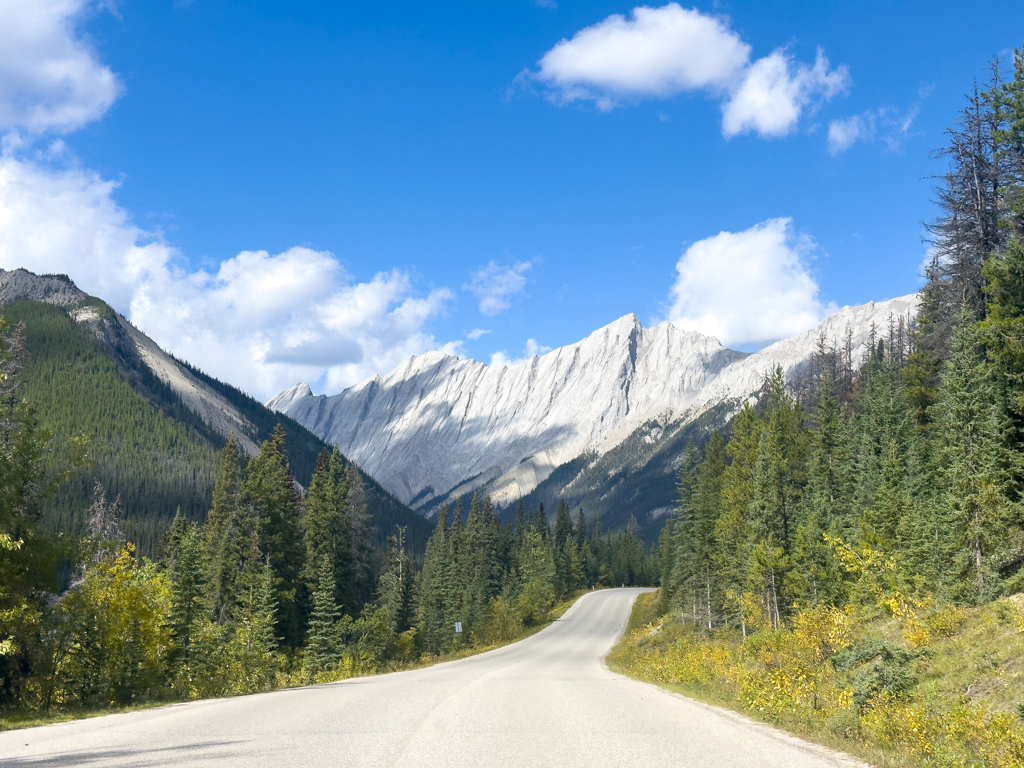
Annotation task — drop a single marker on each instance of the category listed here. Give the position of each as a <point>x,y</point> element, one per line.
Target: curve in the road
<point>545,701</point>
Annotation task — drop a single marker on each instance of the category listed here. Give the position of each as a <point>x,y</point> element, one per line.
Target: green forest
<point>146,447</point>
<point>274,588</point>
<point>875,492</point>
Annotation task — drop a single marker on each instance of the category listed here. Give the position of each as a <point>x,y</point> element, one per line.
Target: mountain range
<point>154,423</point>
<point>601,423</point>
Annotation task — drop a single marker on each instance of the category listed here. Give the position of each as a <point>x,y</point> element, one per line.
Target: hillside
<point>155,424</point>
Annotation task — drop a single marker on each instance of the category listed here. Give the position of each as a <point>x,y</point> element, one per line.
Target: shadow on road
<point>133,757</point>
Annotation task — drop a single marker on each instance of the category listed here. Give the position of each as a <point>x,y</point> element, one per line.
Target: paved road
<point>545,701</point>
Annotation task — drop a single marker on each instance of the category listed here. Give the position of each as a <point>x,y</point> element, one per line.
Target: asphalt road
<point>545,701</point>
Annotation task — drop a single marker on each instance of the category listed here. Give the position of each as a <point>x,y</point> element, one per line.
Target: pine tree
<point>972,466</point>
<point>563,532</point>
<point>328,532</point>
<point>817,577</point>
<point>732,530</point>
<point>542,522</point>
<point>254,645</point>
<point>222,534</point>
<point>187,590</point>
<point>519,524</point>
<point>433,578</point>
<point>323,644</point>
<point>269,489</point>
<point>359,525</point>
<point>707,507</point>
<point>679,564</point>
<point>580,529</point>
<point>777,486</point>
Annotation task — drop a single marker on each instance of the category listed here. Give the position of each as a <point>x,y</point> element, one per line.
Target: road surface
<point>545,701</point>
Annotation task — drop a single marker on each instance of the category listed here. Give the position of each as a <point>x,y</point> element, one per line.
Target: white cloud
<point>658,52</point>
<point>775,91</point>
<point>749,287</point>
<point>476,333</point>
<point>532,349</point>
<point>494,284</point>
<point>261,321</point>
<point>661,52</point>
<point>50,78</point>
<point>886,124</point>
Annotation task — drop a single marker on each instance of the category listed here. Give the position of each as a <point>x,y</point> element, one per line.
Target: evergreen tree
<point>732,530</point>
<point>707,507</point>
<point>223,535</point>
<point>779,475</point>
<point>562,534</point>
<point>433,631</point>
<point>269,489</point>
<point>323,643</point>
<point>972,467</point>
<point>542,522</point>
<point>817,577</point>
<point>188,606</point>
<point>580,529</point>
<point>328,531</point>
<point>678,558</point>
<point>359,525</point>
<point>254,644</point>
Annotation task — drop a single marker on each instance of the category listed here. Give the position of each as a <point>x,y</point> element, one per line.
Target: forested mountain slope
<point>155,425</point>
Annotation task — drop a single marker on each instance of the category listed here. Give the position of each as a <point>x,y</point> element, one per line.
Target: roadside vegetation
<point>276,588</point>
<point>848,562</point>
<point>938,687</point>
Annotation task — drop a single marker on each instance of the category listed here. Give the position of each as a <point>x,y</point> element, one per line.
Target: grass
<point>942,687</point>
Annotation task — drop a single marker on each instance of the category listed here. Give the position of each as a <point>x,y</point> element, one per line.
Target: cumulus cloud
<point>259,320</point>
<point>50,78</point>
<point>748,288</point>
<point>775,91</point>
<point>886,124</point>
<point>476,333</point>
<point>494,284</point>
<point>532,350</point>
<point>661,52</point>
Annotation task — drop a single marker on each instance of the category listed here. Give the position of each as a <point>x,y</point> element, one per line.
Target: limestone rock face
<point>439,425</point>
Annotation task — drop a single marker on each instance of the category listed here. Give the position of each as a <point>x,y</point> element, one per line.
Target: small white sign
<point>458,626</point>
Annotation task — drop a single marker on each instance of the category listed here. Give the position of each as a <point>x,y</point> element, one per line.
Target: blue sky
<point>294,190</point>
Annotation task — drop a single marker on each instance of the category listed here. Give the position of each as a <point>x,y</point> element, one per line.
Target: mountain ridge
<point>440,426</point>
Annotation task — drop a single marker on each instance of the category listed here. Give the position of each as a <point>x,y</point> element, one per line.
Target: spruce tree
<point>778,478</point>
<point>223,534</point>
<point>328,531</point>
<point>732,531</point>
<point>187,591</point>
<point>563,532</point>
<point>707,506</point>
<point>542,524</point>
<point>973,467</point>
<point>433,632</point>
<point>359,525</point>
<point>269,489</point>
<point>323,644</point>
<point>817,577</point>
<point>678,561</point>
